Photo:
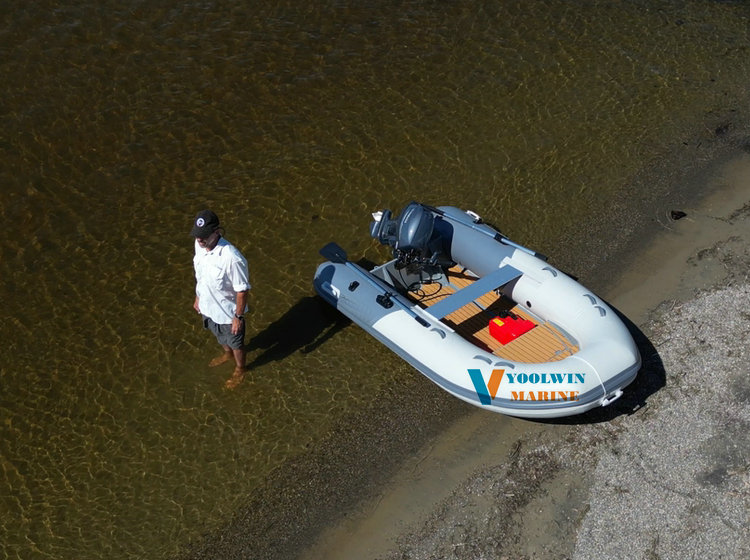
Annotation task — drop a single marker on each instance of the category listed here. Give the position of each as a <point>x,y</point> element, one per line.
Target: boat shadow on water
<point>650,379</point>
<point>304,327</point>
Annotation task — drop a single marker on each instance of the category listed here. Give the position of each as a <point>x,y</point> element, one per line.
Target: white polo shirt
<point>219,275</point>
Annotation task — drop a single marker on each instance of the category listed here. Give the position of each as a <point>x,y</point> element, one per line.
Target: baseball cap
<point>206,222</point>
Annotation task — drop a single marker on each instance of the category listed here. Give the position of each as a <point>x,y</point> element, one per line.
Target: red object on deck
<point>507,329</point>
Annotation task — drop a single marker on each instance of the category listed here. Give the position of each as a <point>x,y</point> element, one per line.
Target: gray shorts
<point>223,333</point>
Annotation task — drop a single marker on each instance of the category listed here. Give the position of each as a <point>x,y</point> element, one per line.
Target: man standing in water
<point>221,291</point>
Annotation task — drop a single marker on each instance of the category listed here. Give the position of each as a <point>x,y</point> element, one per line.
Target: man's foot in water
<point>224,358</point>
<point>236,379</point>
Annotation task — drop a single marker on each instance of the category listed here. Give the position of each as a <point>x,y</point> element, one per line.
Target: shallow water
<point>119,121</point>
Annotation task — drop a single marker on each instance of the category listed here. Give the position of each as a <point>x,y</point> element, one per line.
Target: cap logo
<point>200,222</point>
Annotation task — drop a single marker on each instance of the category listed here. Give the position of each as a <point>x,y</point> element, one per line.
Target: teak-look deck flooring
<point>544,343</point>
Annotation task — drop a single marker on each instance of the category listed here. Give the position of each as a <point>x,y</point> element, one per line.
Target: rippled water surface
<point>293,121</point>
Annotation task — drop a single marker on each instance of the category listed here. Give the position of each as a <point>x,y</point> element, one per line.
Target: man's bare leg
<point>239,370</point>
<point>225,357</point>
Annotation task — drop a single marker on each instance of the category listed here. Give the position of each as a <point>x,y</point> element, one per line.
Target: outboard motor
<point>410,235</point>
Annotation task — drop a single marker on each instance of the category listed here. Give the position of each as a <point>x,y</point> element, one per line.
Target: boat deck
<point>544,343</point>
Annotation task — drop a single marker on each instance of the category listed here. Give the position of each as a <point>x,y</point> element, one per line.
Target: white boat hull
<point>606,361</point>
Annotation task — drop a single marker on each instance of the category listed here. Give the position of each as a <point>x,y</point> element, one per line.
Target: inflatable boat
<point>485,318</point>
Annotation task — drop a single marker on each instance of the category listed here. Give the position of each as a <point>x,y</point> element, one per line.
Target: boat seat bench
<point>477,289</point>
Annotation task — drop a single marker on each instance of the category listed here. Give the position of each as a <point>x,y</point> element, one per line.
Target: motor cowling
<point>411,235</point>
<point>415,228</point>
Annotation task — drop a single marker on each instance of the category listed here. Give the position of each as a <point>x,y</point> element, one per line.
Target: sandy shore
<point>661,473</point>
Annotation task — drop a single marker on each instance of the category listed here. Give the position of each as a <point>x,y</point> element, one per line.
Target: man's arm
<point>239,310</point>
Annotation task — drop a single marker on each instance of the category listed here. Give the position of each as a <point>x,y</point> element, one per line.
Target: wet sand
<point>435,478</point>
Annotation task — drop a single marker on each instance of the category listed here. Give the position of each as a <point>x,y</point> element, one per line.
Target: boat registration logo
<point>486,391</point>
<point>526,386</point>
